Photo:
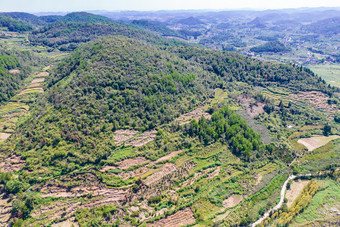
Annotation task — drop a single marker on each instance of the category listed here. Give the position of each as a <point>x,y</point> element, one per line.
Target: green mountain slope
<point>118,83</point>
<point>14,25</point>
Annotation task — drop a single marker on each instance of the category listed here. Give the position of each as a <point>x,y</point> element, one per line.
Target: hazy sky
<point>113,5</point>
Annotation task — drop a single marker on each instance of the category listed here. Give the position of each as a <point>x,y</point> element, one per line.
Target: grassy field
<point>330,73</point>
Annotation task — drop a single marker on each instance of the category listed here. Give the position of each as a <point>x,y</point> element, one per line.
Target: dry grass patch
<point>316,141</point>
<point>167,169</point>
<point>12,163</point>
<point>37,80</point>
<point>131,162</point>
<point>4,136</point>
<point>34,85</point>
<point>232,201</point>
<point>13,106</point>
<point>14,71</point>
<point>294,191</point>
<point>169,156</point>
<point>134,173</point>
<point>67,223</point>
<point>31,90</point>
<point>123,135</point>
<point>196,114</point>
<point>180,218</point>
<point>42,74</point>
<point>317,99</point>
<point>253,107</point>
<point>143,139</point>
<point>5,210</point>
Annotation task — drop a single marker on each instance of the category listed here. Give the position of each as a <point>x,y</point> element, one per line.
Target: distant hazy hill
<point>84,17</point>
<point>190,21</point>
<point>257,23</point>
<point>328,26</point>
<point>27,17</point>
<point>157,28</point>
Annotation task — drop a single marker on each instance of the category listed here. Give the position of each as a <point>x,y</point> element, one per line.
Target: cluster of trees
<point>271,46</point>
<point>227,126</point>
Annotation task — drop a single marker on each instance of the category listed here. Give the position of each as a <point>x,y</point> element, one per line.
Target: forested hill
<point>116,83</point>
<point>14,25</point>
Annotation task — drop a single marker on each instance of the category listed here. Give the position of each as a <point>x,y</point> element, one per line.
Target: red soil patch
<point>169,156</point>
<point>12,163</point>
<point>131,162</point>
<point>167,169</point>
<point>317,99</point>
<point>180,218</point>
<point>143,139</point>
<point>196,114</point>
<point>123,135</point>
<point>232,201</point>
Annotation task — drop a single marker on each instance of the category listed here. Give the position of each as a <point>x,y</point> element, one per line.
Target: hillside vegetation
<point>114,125</point>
